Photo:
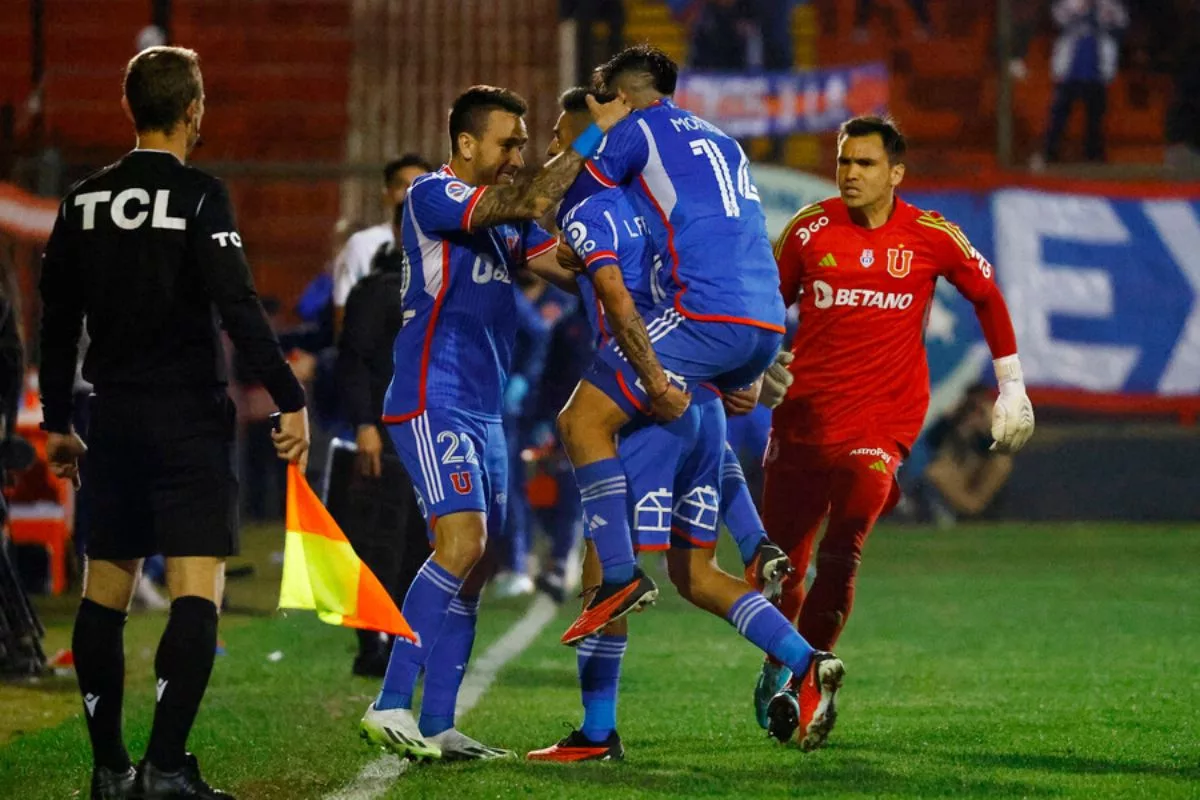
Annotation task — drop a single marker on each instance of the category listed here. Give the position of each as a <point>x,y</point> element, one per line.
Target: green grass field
<point>991,661</point>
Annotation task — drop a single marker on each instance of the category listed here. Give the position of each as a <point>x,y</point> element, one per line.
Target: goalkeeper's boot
<point>457,746</point>
<point>807,708</point>
<point>184,782</point>
<point>109,784</point>
<point>771,681</point>
<point>396,729</point>
<point>577,747</point>
<point>608,603</point>
<point>768,569</point>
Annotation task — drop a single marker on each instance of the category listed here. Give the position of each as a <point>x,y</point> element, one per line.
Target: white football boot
<point>457,746</point>
<point>396,729</point>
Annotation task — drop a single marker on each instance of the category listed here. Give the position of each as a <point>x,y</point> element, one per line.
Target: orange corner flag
<point>322,572</point>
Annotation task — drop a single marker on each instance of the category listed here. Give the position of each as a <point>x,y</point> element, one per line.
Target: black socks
<point>98,644</point>
<point>182,665</point>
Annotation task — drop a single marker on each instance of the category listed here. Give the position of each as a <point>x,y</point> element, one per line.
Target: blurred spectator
<point>383,521</point>
<point>354,261</point>
<point>588,51</point>
<point>964,476</point>
<point>864,8</point>
<point>720,32</point>
<point>1083,63</point>
<point>569,353</point>
<point>1183,114</point>
<point>1024,23</point>
<point>539,307</point>
<point>773,19</point>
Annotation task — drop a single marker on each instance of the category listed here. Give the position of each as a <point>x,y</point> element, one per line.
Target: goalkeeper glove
<point>777,380</point>
<point>1012,416</point>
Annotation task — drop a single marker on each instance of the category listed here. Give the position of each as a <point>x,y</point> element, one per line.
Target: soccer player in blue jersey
<point>467,227</point>
<point>675,474</point>
<point>722,319</point>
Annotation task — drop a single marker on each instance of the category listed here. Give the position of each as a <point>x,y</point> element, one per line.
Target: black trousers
<point>381,519</point>
<point>1094,95</point>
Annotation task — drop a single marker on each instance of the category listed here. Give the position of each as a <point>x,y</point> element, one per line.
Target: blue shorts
<point>674,474</point>
<point>458,461</point>
<point>728,355</point>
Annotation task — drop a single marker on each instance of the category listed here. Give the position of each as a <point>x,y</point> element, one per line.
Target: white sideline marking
<point>379,774</point>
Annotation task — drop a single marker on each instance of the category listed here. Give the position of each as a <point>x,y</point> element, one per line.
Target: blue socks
<point>770,631</point>
<point>737,508</point>
<point>446,665</point>
<point>604,492</point>
<point>425,608</point>
<point>599,661</point>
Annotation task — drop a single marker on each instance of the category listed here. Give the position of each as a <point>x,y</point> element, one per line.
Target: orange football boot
<point>807,708</point>
<point>577,747</point>
<point>610,602</point>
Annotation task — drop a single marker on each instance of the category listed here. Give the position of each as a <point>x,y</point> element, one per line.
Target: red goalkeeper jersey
<point>864,297</point>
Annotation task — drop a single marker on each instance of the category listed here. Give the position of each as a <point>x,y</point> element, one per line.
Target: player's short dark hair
<point>574,100</point>
<point>653,66</point>
<point>894,143</point>
<point>471,108</point>
<point>404,162</point>
<point>160,83</point>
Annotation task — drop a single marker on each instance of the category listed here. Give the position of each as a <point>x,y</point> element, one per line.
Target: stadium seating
<point>944,90</point>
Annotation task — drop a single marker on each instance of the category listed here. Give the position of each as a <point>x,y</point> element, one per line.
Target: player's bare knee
<point>618,628</point>
<point>695,575</point>
<point>461,539</point>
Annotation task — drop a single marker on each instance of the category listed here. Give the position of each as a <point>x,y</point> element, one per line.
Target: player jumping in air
<point>720,321</point>
<point>675,473</point>
<point>863,267</point>
<point>467,227</point>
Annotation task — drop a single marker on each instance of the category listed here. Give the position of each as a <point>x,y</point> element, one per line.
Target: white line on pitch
<point>379,774</point>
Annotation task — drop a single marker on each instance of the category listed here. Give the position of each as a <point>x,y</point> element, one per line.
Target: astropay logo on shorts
<point>874,452</point>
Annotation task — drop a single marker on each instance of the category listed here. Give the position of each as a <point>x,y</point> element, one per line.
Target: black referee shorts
<point>159,473</point>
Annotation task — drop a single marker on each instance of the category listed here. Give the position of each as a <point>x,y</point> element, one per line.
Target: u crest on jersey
<point>867,258</point>
<point>899,262</point>
<point>461,482</point>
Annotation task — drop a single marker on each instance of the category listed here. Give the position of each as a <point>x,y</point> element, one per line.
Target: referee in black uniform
<point>146,251</point>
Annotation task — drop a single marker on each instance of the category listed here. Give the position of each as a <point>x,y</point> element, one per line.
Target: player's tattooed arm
<point>668,401</point>
<point>532,198</point>
<point>528,198</point>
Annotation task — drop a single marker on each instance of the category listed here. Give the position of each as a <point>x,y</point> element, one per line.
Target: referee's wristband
<point>586,143</point>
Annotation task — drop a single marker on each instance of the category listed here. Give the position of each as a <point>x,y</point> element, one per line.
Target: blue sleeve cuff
<point>587,142</point>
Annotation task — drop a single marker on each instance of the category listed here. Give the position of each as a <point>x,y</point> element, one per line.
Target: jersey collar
<point>149,150</point>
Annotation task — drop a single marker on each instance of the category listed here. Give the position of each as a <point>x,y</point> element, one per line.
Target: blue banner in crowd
<point>1104,292</point>
<point>779,103</point>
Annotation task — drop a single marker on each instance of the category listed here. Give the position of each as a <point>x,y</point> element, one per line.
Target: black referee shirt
<point>148,252</point>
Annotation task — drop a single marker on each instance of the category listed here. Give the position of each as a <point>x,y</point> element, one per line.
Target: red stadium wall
<point>276,76</point>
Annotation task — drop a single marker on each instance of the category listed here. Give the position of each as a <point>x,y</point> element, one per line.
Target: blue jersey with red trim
<point>693,183</point>
<point>460,318</point>
<point>604,230</point>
